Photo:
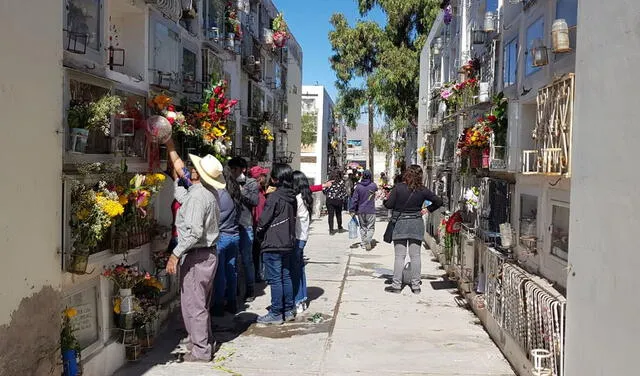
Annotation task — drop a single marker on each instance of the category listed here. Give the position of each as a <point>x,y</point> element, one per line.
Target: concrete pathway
<point>361,330</point>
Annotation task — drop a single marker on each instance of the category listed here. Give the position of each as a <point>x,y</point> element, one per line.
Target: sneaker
<point>290,316</point>
<point>332,232</point>
<point>367,246</point>
<point>270,319</point>
<point>392,289</point>
<point>301,307</point>
<point>341,230</point>
<point>416,290</point>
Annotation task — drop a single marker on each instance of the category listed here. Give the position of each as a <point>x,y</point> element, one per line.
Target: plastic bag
<point>353,228</point>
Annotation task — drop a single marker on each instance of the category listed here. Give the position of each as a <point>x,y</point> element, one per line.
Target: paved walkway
<point>361,330</point>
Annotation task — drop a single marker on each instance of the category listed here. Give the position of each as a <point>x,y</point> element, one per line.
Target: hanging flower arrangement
<point>234,26</point>
<point>125,276</point>
<point>471,197</point>
<point>266,133</point>
<point>476,137</point>
<point>280,31</point>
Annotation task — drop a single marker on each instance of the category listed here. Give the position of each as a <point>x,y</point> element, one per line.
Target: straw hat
<point>210,170</point>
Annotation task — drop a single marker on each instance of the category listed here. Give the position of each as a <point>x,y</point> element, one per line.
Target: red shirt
<point>257,210</point>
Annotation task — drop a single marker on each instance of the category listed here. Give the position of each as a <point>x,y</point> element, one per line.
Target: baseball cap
<point>256,171</point>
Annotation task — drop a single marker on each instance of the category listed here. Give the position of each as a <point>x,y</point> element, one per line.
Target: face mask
<point>241,179</point>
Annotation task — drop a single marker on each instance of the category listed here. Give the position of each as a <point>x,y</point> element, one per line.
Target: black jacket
<point>277,225</point>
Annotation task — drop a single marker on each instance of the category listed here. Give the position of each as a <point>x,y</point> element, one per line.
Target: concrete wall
<point>294,116</point>
<point>31,104</point>
<point>602,323</point>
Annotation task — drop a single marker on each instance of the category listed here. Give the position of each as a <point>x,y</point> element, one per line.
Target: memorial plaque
<point>85,322</point>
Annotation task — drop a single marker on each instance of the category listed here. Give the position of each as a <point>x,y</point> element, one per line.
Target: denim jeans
<point>246,251</point>
<point>298,276</point>
<point>278,272</point>
<point>226,280</point>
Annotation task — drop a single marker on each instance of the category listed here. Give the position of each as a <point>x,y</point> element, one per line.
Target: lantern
<point>560,36</point>
<point>489,22</point>
<point>540,54</point>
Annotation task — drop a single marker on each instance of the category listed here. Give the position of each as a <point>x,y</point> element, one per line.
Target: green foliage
<point>94,115</point>
<point>387,60</point>
<point>309,129</point>
<point>382,140</point>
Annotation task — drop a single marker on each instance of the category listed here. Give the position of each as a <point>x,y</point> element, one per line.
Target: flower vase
<point>119,241</point>
<point>79,137</point>
<point>485,158</point>
<point>126,301</point>
<point>146,335</point>
<point>164,279</point>
<point>69,363</point>
<point>79,262</point>
<point>126,321</point>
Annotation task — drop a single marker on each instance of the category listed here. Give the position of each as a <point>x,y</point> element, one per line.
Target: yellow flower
<point>206,125</point>
<point>112,208</point>
<point>82,214</point>
<point>116,306</point>
<point>123,199</point>
<point>217,132</point>
<point>70,312</point>
<point>161,101</point>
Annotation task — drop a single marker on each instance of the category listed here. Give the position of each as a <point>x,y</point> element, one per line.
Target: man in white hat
<point>197,223</point>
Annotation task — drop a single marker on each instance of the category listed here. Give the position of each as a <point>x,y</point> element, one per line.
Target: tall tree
<point>385,62</point>
<point>309,129</point>
<point>355,59</point>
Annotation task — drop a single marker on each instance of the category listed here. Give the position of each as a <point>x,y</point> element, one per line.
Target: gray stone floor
<point>363,330</point>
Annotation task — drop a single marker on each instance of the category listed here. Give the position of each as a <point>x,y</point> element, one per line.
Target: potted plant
<point>145,322</point>
<point>69,345</point>
<point>83,117</point>
<point>280,31</point>
<point>92,214</point>
<point>125,277</point>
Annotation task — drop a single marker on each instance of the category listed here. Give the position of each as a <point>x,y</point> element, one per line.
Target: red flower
<point>171,108</point>
<point>492,118</point>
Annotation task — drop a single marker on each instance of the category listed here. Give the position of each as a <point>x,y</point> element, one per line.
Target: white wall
<point>323,104</point>
<point>31,146</point>
<point>602,323</point>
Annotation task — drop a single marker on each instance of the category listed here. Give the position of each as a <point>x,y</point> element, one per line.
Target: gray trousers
<point>197,272</point>
<point>367,227</point>
<point>400,247</point>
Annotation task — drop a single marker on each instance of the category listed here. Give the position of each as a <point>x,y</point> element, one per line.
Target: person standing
<point>363,204</point>
<point>336,193</point>
<point>260,174</point>
<point>406,200</point>
<point>250,199</point>
<point>304,199</point>
<point>226,279</point>
<point>276,231</point>
<point>197,224</point>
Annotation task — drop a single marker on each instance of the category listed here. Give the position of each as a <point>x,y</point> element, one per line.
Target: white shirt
<point>303,220</point>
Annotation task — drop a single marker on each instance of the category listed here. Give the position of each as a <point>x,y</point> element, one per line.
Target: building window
<point>510,62</point>
<point>534,32</point>
<point>560,230</point>
<point>528,221</point>
<point>165,52</point>
<point>83,17</point>
<point>567,10</point>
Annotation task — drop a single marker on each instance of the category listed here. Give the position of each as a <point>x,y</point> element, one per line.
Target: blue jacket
<point>363,200</point>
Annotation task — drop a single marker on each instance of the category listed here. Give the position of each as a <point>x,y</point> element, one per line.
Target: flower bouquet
<point>280,31</point>
<point>69,345</point>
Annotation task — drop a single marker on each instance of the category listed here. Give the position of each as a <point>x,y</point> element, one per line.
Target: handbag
<point>353,228</point>
<point>388,233</point>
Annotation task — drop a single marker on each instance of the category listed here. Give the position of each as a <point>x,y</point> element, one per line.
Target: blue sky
<point>309,23</point>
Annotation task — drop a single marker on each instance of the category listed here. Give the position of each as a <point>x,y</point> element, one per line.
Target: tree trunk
<point>371,146</point>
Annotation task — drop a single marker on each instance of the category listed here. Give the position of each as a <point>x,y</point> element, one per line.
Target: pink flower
<point>147,276</point>
<point>446,94</point>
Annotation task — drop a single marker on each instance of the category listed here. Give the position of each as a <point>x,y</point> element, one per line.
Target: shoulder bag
<point>388,233</point>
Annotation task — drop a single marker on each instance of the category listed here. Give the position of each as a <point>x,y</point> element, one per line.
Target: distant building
<point>314,161</point>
